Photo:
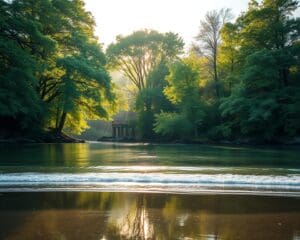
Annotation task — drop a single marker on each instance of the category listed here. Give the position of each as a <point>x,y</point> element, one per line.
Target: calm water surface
<point>149,168</point>
<point>86,215</point>
<point>138,191</point>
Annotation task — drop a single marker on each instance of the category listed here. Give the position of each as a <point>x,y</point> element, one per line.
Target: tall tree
<point>138,54</point>
<point>268,25</point>
<point>183,91</point>
<point>60,68</point>
<point>142,57</point>
<point>75,85</point>
<point>229,62</point>
<point>265,102</point>
<point>209,38</point>
<point>151,100</point>
<point>21,44</point>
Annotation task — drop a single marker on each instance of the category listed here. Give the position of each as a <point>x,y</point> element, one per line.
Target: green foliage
<point>152,100</point>
<point>209,38</point>
<point>291,111</point>
<point>52,67</point>
<point>183,92</point>
<point>258,67</point>
<point>53,73</point>
<point>142,58</point>
<point>18,98</point>
<point>259,74</point>
<point>138,54</point>
<point>174,126</point>
<point>259,107</point>
<point>263,103</point>
<point>229,62</point>
<point>251,116</point>
<point>183,82</point>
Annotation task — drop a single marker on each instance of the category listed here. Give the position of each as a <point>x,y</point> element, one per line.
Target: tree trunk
<point>62,122</point>
<point>216,76</point>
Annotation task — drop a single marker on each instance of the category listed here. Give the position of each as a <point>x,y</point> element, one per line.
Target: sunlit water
<point>137,191</point>
<point>149,168</point>
<point>108,215</point>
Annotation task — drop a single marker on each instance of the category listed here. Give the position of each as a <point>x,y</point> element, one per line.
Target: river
<point>149,191</point>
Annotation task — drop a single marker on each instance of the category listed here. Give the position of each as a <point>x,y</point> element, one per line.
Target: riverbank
<point>238,142</point>
<point>54,137</point>
<point>94,215</point>
<point>44,137</point>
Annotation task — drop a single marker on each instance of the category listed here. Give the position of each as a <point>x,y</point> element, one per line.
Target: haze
<point>114,17</point>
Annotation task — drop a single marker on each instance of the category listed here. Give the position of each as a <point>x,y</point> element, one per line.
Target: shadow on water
<point>78,215</point>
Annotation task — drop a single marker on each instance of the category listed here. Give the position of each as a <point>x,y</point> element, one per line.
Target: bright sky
<point>114,17</point>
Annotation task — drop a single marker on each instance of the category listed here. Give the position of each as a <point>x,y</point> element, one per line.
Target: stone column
<point>114,131</point>
<point>133,133</point>
<point>121,131</point>
<point>118,132</point>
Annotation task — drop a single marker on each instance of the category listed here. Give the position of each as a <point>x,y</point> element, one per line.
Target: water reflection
<point>97,154</point>
<point>146,216</point>
<point>49,155</point>
<point>132,221</point>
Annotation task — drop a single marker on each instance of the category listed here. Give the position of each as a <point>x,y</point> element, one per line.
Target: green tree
<point>52,67</point>
<point>264,102</point>
<point>75,85</point>
<point>85,88</point>
<point>151,100</point>
<point>20,105</point>
<point>209,38</point>
<point>269,26</point>
<point>183,92</point>
<point>252,106</point>
<point>138,54</point>
<point>142,57</point>
<point>229,62</point>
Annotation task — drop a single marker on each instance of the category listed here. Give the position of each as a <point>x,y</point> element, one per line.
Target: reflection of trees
<point>134,222</point>
<point>76,155</point>
<point>146,216</point>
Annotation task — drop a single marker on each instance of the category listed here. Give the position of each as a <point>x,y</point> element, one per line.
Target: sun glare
<point>115,17</point>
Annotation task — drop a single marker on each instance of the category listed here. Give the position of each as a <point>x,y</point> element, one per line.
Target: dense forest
<point>53,74</point>
<point>240,80</point>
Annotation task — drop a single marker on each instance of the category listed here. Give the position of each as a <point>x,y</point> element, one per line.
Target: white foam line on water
<point>184,169</point>
<point>154,168</point>
<point>187,181</point>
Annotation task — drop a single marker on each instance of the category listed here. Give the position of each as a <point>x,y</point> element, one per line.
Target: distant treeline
<point>239,80</point>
